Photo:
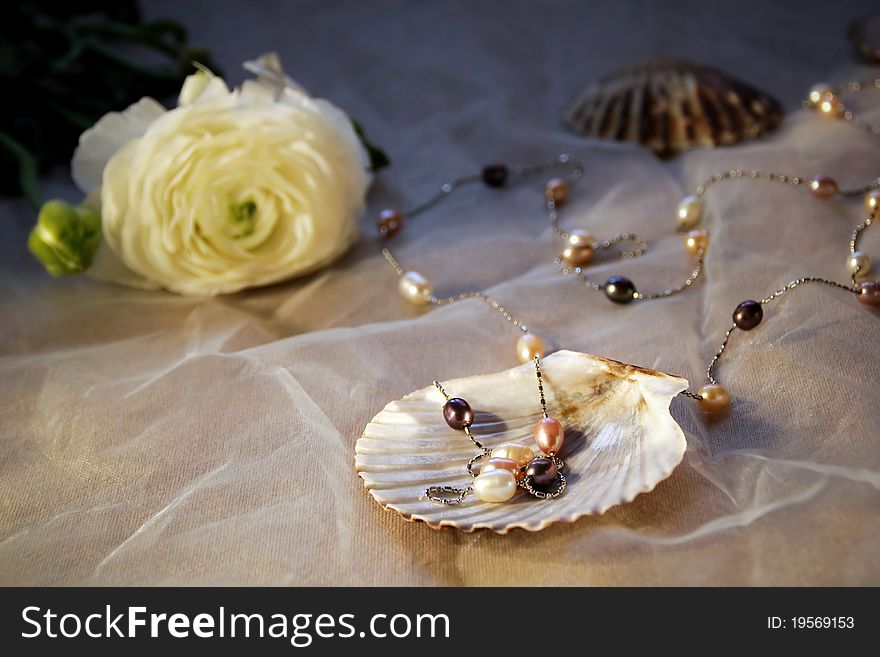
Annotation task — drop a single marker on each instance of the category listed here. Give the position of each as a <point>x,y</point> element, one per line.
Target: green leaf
<point>378,158</point>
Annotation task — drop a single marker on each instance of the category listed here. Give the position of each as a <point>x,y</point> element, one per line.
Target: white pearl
<point>415,288</point>
<point>495,486</point>
<point>689,212</point>
<point>818,93</point>
<point>860,262</point>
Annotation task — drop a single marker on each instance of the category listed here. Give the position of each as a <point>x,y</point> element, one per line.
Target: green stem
<point>27,169</point>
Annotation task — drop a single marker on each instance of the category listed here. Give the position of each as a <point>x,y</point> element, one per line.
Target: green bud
<point>65,238</point>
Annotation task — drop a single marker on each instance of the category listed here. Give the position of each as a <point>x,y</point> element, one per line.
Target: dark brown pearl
<point>495,175</point>
<point>620,289</point>
<point>457,413</point>
<point>748,315</point>
<point>542,471</point>
<point>390,222</point>
<point>869,293</point>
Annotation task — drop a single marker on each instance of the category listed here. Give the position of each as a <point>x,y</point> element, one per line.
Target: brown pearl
<point>869,293</point>
<point>528,346</point>
<point>872,200</point>
<point>458,413</point>
<point>715,398</point>
<point>502,463</point>
<point>549,435</point>
<point>748,315</point>
<point>556,190</point>
<point>390,222</point>
<point>543,471</point>
<point>578,249</point>
<point>823,187</point>
<point>696,240</point>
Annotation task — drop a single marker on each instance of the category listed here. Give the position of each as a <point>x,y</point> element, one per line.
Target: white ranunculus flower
<point>231,189</point>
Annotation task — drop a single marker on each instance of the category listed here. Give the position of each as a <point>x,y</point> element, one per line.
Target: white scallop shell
<point>620,441</point>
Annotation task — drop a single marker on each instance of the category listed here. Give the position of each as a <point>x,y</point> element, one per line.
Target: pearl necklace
<point>508,466</point>
<point>580,246</point>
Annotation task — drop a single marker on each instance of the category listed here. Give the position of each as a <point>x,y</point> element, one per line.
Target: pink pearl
<point>823,186</point>
<point>549,435</point>
<point>869,293</point>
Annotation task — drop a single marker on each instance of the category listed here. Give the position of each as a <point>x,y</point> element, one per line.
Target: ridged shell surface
<point>671,105</point>
<point>620,441</point>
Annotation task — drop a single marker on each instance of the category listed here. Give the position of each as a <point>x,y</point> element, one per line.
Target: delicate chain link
<point>855,87</point>
<point>685,284</point>
<point>769,176</point>
<point>541,386</point>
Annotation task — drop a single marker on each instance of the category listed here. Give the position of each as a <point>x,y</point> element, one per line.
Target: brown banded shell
<point>620,441</point>
<point>670,106</point>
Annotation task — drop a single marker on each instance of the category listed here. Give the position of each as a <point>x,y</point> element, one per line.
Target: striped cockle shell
<point>620,441</point>
<point>670,105</point>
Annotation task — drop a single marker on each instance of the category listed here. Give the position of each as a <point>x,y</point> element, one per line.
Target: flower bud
<point>65,238</point>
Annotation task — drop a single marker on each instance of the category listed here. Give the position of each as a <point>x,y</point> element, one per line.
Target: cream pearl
<point>818,93</point>
<point>495,485</point>
<point>528,346</point>
<point>689,212</point>
<point>858,264</point>
<point>415,288</point>
<point>578,249</point>
<point>872,200</point>
<point>549,435</point>
<point>519,454</point>
<point>715,398</point>
<point>696,241</point>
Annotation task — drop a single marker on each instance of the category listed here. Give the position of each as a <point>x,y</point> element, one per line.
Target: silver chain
<point>769,176</point>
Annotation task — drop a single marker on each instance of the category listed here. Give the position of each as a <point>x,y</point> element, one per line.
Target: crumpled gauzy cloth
<point>150,439</point>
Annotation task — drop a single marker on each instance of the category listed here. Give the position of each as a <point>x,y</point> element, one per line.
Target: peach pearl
<point>872,200</point>
<point>549,435</point>
<point>715,398</point>
<point>415,288</point>
<point>818,93</point>
<point>528,346</point>
<point>519,454</point>
<point>499,463</point>
<point>556,190</point>
<point>696,241</point>
<point>579,249</point>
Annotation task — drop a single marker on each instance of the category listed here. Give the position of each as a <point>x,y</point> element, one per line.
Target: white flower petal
<point>201,86</point>
<point>267,67</point>
<point>100,142</point>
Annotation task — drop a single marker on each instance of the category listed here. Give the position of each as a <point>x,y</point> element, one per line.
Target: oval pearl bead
<point>818,93</point>
<point>748,315</point>
<point>579,249</point>
<point>390,222</point>
<point>495,485</point>
<point>689,212</point>
<point>620,289</point>
<point>494,175</point>
<point>696,241</point>
<point>858,264</point>
<point>528,346</point>
<point>715,398</point>
<point>823,186</point>
<point>872,200</point>
<point>415,288</point>
<point>498,463</point>
<point>869,293</point>
<point>543,471</point>
<point>520,454</point>
<point>458,413</point>
<point>556,190</point>
<point>549,435</point>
